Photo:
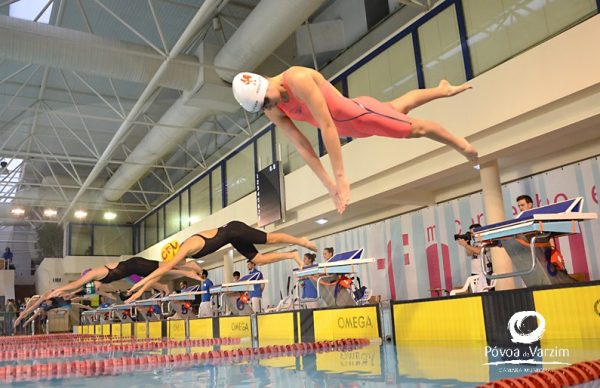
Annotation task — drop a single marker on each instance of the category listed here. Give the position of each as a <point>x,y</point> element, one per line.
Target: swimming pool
<point>180,363</point>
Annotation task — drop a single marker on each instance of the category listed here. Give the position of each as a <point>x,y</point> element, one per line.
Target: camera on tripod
<point>465,236</point>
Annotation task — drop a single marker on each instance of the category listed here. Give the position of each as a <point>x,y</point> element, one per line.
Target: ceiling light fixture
<point>110,216</point>
<point>322,221</point>
<point>81,214</point>
<point>50,212</point>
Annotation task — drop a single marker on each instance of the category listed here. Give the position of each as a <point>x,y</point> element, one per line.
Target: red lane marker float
<point>126,364</point>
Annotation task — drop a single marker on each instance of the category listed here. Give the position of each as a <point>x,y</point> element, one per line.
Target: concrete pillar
<point>494,212</point>
<point>228,267</point>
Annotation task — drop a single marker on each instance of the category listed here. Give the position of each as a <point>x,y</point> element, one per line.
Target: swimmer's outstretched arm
<point>187,247</point>
<point>31,305</point>
<point>75,285</point>
<point>306,89</point>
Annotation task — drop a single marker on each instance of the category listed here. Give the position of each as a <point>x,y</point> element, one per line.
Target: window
<point>200,200</point>
<point>441,52</point>
<point>500,29</point>
<point>216,190</point>
<point>240,174</point>
<point>112,240</point>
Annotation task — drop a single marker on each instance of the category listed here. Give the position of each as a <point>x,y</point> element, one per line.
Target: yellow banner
<point>116,329</point>
<point>176,329</point>
<point>444,319</point>
<point>364,361</point>
<point>98,329</point>
<point>569,313</point>
<point>141,330</point>
<point>106,329</point>
<point>276,329</point>
<point>155,329</point>
<point>359,322</point>
<point>201,328</point>
<point>126,329</point>
<point>234,327</point>
<point>86,329</point>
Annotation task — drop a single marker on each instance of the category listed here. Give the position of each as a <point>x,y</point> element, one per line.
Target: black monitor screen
<point>269,195</point>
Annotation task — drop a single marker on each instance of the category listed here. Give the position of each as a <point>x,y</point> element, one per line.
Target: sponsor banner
<point>126,329</point>
<point>85,329</point>
<point>356,322</point>
<point>141,330</point>
<point>116,329</point>
<point>459,319</point>
<point>155,329</point>
<point>275,329</point>
<point>234,327</point>
<point>176,329</point>
<point>570,312</point>
<point>201,328</point>
<point>106,329</point>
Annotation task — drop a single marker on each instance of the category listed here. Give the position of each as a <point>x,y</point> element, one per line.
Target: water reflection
<point>448,363</point>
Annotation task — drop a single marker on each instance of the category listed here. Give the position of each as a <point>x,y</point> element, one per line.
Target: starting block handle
<point>516,273</point>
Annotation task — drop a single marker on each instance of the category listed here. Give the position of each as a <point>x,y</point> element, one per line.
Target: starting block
<point>526,237</point>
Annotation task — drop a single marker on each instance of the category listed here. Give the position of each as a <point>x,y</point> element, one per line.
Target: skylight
<point>30,9</point>
<point>10,176</point>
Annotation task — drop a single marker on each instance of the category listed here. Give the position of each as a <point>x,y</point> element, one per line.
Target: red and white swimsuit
<point>359,117</point>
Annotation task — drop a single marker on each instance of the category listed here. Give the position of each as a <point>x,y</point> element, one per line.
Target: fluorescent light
<point>322,221</point>
<point>17,211</point>
<point>110,216</point>
<point>194,219</point>
<point>50,212</point>
<point>80,214</point>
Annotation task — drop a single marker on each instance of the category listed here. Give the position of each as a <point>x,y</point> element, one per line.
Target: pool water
<point>411,364</point>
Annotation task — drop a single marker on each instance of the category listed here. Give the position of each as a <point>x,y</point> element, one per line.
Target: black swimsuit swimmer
<point>236,233</point>
<point>133,266</point>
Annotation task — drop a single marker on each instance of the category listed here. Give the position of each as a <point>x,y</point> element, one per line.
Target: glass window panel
<point>200,200</point>
<point>141,237</point>
<point>161,223</point>
<point>264,149</point>
<point>240,174</point>
<point>217,190</point>
<point>441,52</point>
<point>81,240</point>
<point>389,75</point>
<point>500,29</point>
<point>290,158</point>
<point>112,240</point>
<point>150,227</point>
<point>185,209</point>
<point>172,217</point>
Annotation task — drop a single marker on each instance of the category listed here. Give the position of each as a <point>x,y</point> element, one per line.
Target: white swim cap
<point>249,90</point>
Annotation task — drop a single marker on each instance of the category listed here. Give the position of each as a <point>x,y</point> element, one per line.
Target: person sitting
<point>309,289</point>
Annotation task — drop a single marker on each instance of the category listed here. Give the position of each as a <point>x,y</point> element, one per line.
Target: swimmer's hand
<point>342,195</point>
<point>134,297</point>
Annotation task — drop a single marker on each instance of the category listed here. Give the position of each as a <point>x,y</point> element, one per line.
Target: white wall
<point>7,284</point>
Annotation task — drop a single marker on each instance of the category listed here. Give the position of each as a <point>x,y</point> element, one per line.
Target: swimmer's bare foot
<point>306,243</point>
<point>470,153</point>
<point>451,90</point>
